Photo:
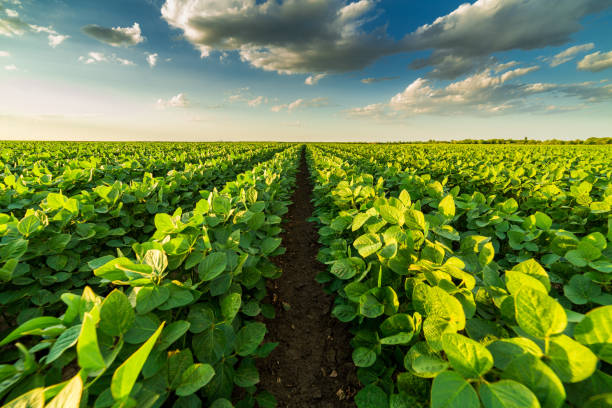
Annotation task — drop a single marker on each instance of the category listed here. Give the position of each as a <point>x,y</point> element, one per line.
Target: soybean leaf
<point>507,394</point>
<point>595,332</point>
<point>193,378</point>
<point>451,390</point>
<point>116,314</point>
<point>539,314</point>
<point>468,357</point>
<point>70,395</point>
<point>88,351</point>
<point>125,376</point>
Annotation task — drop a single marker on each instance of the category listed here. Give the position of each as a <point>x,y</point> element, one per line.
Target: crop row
<point>170,320</point>
<point>493,295</point>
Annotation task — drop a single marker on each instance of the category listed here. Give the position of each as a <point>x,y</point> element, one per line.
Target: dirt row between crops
<point>312,365</point>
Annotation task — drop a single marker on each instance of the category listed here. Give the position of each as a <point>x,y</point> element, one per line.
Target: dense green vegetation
<point>132,274</point>
<point>135,274</point>
<point>483,268</point>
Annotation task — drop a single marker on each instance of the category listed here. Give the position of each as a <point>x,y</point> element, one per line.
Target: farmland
<point>305,275</point>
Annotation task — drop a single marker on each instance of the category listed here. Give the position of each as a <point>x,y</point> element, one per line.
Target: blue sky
<point>310,70</point>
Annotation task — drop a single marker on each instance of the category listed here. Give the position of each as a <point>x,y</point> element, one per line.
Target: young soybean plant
<point>91,338</point>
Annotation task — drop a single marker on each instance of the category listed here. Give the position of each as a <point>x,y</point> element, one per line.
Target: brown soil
<point>312,365</point>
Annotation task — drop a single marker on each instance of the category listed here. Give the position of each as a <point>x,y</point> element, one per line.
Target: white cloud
<point>11,67</point>
<point>56,39</point>
<point>596,62</point>
<point>484,93</point>
<point>477,30</point>
<point>13,25</point>
<point>93,57</point>
<point>5,54</point>
<point>244,95</point>
<point>97,57</point>
<point>314,79</point>
<point>152,59</point>
<point>115,36</point>
<point>257,101</point>
<point>569,54</point>
<point>124,61</point>
<point>301,104</point>
<point>287,37</point>
<point>177,101</point>
<point>504,66</point>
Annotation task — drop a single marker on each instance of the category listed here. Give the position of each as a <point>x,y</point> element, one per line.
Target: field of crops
<point>145,275</point>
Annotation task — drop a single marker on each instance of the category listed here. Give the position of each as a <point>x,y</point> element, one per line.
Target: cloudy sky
<point>305,69</point>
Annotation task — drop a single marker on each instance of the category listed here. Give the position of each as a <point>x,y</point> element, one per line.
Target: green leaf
<point>221,205</point>
<point>446,207</point>
<point>600,401</point>
<point>595,332</point>
<point>543,221</point>
<point>450,390</point>
<point>507,394</point>
<point>509,206</point>
<point>428,366</point>
<point>372,397</point>
<point>438,303</point>
<point>28,225</point>
<point>468,357</point>
<point>65,340</point>
<point>178,362</point>
<point>172,333</point>
<point>144,326</point>
<point>392,215</point>
<point>539,314</point>
<point>415,220</point>
<point>125,376</point>
<point>364,357</point>
<point>116,314</point>
<point>88,351</point>
<point>246,375</point>
<point>597,239</point>
<point>515,281</point>
<point>344,268</point>
<point>193,378</point>
<point>266,400</point>
<point>486,254</point>
<point>249,338</point>
<point>576,258</point>
<point>29,326</point>
<point>532,268</point>
<point>212,266</point>
<point>570,360</point>
<point>367,244</point>
<point>506,350</point>
<point>31,399</point>
<point>148,298</point>
<point>344,313</point>
<point>164,223</point>
<point>588,251</point>
<point>539,378</point>
<point>70,395</point>
<point>581,290</point>
<point>230,305</point>
<point>269,245</point>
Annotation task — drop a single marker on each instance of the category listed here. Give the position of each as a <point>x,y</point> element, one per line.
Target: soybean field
<point>305,275</point>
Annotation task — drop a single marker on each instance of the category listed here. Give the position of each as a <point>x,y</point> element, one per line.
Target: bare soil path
<point>312,365</point>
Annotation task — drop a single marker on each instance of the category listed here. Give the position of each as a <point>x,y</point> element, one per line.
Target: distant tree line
<point>589,141</point>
